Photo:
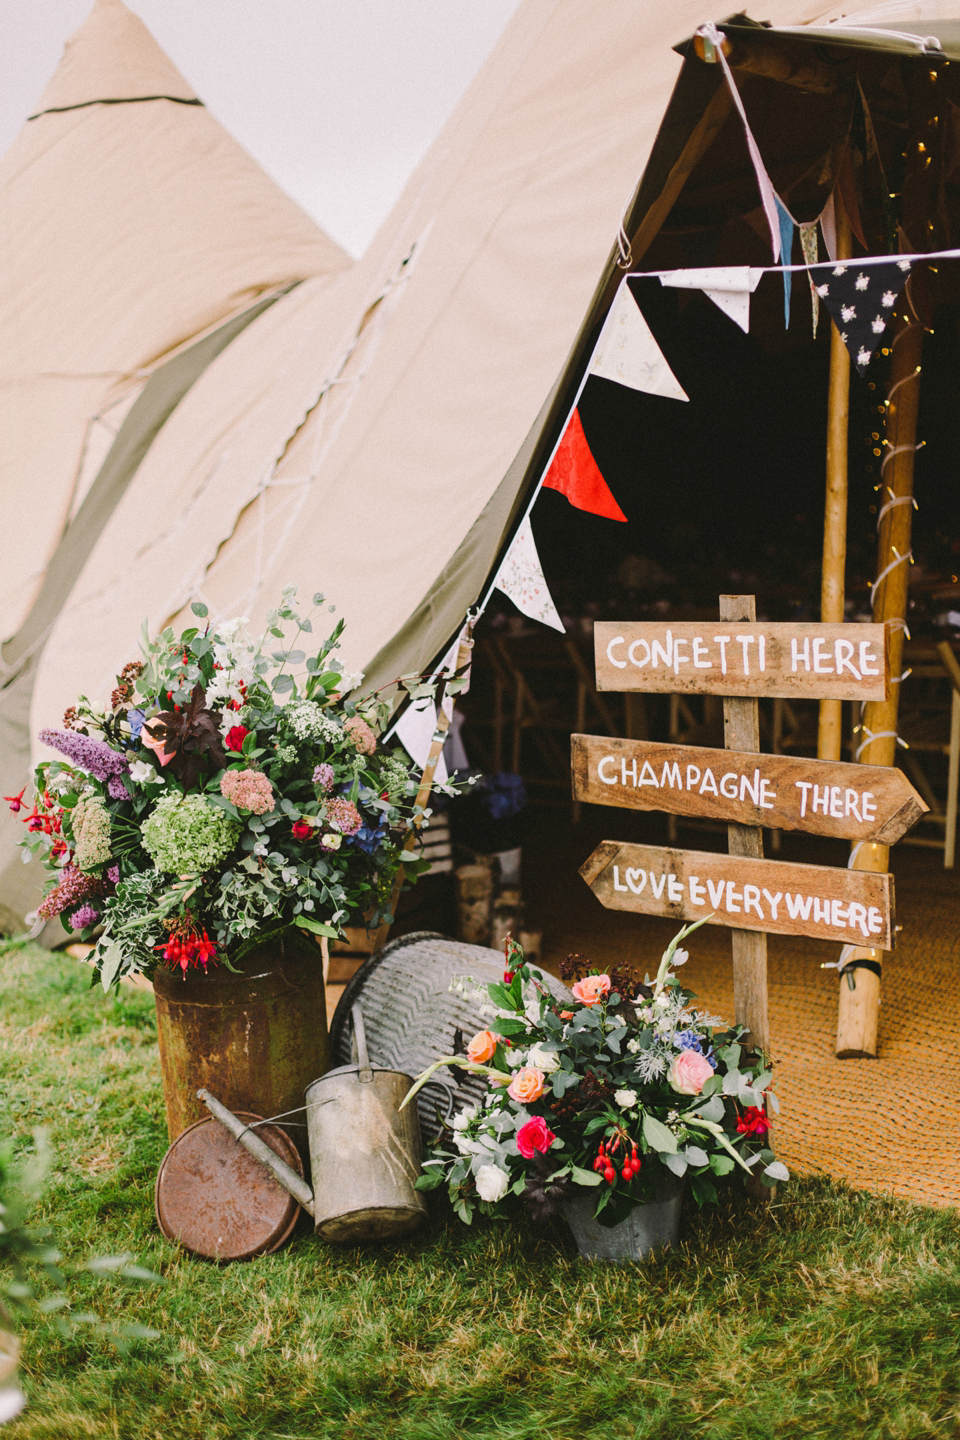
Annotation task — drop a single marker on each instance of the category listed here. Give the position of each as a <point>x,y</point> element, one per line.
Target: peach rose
<point>150,740</point>
<point>527,1085</point>
<point>482,1046</point>
<point>591,989</point>
<point>689,1072</point>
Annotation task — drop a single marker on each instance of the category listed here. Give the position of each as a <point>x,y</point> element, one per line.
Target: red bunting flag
<point>574,472</point>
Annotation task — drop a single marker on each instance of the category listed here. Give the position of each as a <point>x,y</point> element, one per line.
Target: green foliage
<point>825,1315</point>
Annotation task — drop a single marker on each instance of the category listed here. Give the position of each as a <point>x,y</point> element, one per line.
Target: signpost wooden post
<point>740,659</point>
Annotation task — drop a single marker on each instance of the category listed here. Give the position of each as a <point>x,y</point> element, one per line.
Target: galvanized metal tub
<point>411,1016</point>
<point>256,1039</point>
<point>646,1229</point>
<point>366,1151</point>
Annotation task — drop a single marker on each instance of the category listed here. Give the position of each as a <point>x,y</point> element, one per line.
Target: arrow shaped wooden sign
<point>783,792</point>
<point>854,907</point>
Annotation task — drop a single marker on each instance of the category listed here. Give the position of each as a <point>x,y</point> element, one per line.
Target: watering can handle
<point>363,1056</point>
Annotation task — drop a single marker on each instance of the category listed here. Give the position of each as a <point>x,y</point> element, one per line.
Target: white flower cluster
<point>236,655</point>
<point>309,721</point>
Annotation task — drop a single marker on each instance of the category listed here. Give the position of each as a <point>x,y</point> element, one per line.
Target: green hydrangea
<point>187,835</point>
<point>90,822</point>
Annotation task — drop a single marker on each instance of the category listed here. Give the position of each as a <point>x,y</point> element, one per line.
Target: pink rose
<point>689,1072</point>
<point>482,1046</point>
<point>535,1135</point>
<point>152,743</point>
<point>591,989</point>
<point>527,1085</point>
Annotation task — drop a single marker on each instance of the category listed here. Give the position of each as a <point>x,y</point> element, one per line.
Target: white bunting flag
<point>415,730</point>
<point>627,352</point>
<point>728,286</point>
<point>520,577</point>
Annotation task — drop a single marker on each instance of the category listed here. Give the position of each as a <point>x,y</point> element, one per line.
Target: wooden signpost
<point>783,792</point>
<point>742,660</point>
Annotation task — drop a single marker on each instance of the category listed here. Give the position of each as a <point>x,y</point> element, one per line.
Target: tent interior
<point>726,494</point>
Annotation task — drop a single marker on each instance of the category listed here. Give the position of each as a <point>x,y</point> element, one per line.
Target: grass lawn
<point>829,1313</point>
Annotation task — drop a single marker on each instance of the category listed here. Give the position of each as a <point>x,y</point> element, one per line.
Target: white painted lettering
<point>665,653</point>
<point>838,915</point>
<point>857,915</point>
<point>607,780</point>
<point>620,664</point>
<point>803,786</point>
<point>723,641</point>
<point>657,892</point>
<point>632,771</point>
<point>869,805</point>
<point>768,795</point>
<point>633,659</point>
<point>821,803</point>
<point>730,794</point>
<point>843,650</point>
<point>679,659</point>
<point>745,642</point>
<point>773,901</point>
<point>647,776</point>
<point>636,879</point>
<point>709,786</point>
<point>616,879</point>
<point>820,666</point>
<point>674,890</point>
<point>751,900</point>
<point>699,649</point>
<point>866,654</point>
<point>796,655</point>
<point>716,893</point>
<point>821,911</point>
<point>852,800</point>
<point>698,894</point>
<point>670,775</point>
<point>752,790</point>
<point>799,906</point>
<point>734,897</point>
<point>693,777</point>
<point>874,921</point>
<point>836,802</point>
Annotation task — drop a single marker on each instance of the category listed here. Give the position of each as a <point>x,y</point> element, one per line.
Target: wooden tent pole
<point>832,584</point>
<point>859,1002</point>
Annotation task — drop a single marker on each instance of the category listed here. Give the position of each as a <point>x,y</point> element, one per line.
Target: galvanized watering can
<point>364,1150</point>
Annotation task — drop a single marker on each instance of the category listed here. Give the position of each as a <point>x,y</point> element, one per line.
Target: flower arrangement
<point>233,790</point>
<point>601,1098</point>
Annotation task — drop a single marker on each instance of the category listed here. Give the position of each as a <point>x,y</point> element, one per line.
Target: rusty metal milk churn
<point>364,1150</point>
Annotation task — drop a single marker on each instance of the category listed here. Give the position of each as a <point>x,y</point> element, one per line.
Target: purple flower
<point>323,778</point>
<point>83,917</point>
<point>74,885</point>
<point>113,874</point>
<point>99,760</point>
<point>116,788</point>
<point>135,719</point>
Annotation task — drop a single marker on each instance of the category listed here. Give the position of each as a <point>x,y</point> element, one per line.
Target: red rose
<point>535,1135</point>
<point>236,736</point>
<point>301,830</point>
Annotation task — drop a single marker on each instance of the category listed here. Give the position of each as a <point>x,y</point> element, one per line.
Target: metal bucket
<point>365,1150</point>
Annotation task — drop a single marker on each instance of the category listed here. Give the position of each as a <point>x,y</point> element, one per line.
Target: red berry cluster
<point>606,1165</point>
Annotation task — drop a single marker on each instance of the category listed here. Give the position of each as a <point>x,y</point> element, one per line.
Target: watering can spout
<point>251,1141</point>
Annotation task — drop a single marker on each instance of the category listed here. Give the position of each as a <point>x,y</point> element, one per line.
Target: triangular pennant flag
<point>728,286</point>
<point>828,225</point>
<point>415,730</point>
<point>627,352</point>
<point>861,299</point>
<point>764,184</point>
<point>811,254</point>
<point>787,227</point>
<point>574,472</point>
<point>521,579</point>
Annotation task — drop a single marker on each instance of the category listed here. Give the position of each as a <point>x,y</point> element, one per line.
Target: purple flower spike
<point>113,874</point>
<point>98,759</point>
<point>83,917</point>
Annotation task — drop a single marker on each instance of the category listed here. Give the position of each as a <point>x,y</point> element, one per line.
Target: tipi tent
<point>373,434</point>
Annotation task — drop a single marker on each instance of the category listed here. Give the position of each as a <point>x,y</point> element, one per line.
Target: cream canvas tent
<point>373,434</point>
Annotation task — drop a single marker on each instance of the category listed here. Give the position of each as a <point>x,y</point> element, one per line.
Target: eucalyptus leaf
<point>657,1136</point>
<point>676,1163</point>
<point>584,1177</point>
<point>777,1171</point>
<point>696,1156</point>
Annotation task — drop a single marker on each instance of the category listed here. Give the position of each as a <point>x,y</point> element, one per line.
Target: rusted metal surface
<point>255,1039</point>
<point>217,1201</point>
<point>366,1151</point>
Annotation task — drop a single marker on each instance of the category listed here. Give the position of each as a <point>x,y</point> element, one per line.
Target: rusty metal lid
<point>217,1201</point>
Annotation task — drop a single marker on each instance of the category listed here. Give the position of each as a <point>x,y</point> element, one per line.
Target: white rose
<point>331,842</point>
<point>492,1183</point>
<point>545,1060</point>
<point>626,1099</point>
<point>463,1118</point>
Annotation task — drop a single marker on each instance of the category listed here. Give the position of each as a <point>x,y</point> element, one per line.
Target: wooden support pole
<point>426,780</point>
<point>859,1004</point>
<point>832,584</point>
<point>741,731</point>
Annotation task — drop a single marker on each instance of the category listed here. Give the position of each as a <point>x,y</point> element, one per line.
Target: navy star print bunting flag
<point>861,299</point>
